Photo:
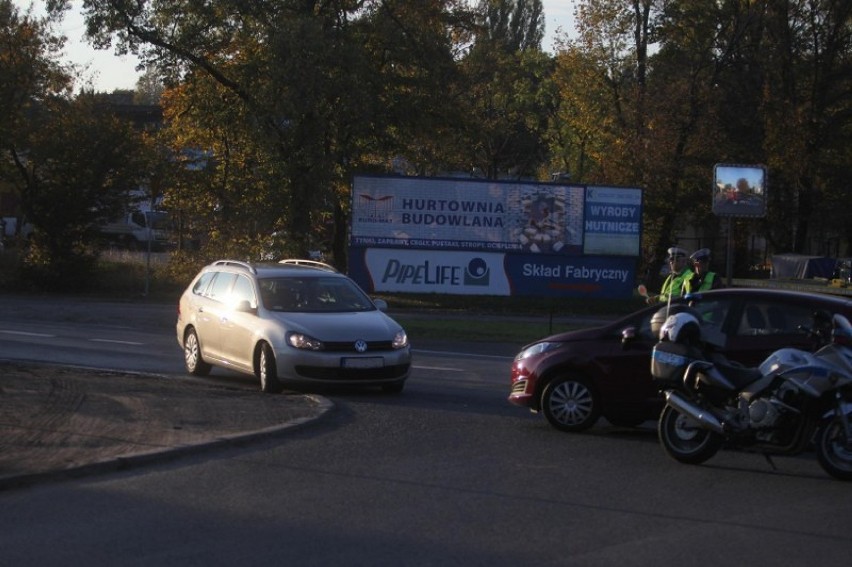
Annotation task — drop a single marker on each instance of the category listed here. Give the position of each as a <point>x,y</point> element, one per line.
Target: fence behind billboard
<point>475,237</point>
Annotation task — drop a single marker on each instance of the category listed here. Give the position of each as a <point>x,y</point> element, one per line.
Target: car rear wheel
<point>267,371</point>
<point>570,404</point>
<point>192,358</point>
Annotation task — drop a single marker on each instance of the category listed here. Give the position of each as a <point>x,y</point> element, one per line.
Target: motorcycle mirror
<point>627,335</point>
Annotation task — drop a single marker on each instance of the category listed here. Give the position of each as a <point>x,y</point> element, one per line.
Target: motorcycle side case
<point>669,361</point>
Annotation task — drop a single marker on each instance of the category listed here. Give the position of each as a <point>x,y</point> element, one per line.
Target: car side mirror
<point>243,306</point>
<point>628,334</point>
<point>380,304</point>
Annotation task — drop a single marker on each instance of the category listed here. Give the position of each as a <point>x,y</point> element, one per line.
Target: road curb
<point>144,458</point>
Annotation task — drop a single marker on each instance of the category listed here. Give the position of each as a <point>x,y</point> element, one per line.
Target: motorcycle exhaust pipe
<point>702,416</point>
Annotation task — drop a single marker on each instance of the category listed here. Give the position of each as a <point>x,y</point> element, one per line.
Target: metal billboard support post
<point>729,255</point>
<point>150,228</point>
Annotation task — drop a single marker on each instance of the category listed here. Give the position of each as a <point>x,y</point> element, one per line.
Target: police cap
<point>677,252</point>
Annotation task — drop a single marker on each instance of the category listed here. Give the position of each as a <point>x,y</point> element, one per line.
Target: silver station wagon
<point>294,322</point>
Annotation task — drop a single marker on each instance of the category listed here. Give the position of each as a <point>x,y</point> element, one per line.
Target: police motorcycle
<point>793,401</point>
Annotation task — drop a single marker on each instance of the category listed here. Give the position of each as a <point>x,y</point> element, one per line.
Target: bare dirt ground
<point>55,418</point>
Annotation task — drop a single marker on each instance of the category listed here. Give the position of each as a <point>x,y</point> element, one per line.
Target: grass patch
<point>467,329</point>
<point>516,320</point>
<point>544,307</point>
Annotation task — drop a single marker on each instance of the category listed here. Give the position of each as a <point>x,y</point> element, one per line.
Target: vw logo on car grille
<point>361,345</point>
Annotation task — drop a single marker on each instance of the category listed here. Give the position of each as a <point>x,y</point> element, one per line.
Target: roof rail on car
<point>237,263</point>
<point>310,263</point>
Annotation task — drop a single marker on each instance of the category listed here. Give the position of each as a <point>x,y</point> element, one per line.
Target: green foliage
<point>182,267</point>
<point>40,271</point>
<point>285,100</point>
<point>112,275</point>
<point>500,330</point>
<point>29,68</point>
<point>517,25</point>
<point>508,98</point>
<point>149,88</point>
<point>804,115</point>
<point>655,94</point>
<point>10,265</point>
<point>499,305</point>
<point>74,172</point>
<point>67,162</point>
<point>226,184</point>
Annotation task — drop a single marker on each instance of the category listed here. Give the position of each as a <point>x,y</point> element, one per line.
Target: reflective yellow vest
<point>676,285</point>
<point>707,283</point>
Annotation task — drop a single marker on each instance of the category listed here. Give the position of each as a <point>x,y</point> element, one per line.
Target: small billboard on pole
<point>739,190</point>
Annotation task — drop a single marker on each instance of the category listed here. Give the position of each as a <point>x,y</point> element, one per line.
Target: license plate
<point>374,362</point>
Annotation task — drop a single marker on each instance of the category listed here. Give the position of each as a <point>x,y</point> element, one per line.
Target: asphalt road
<point>448,473</point>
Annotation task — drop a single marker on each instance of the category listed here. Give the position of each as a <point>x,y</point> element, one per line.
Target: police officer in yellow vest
<point>703,279</point>
<point>677,282</point>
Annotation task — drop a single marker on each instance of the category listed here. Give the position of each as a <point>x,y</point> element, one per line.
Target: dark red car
<point>576,377</point>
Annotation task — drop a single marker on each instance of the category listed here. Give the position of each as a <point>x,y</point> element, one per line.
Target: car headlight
<point>304,342</point>
<point>537,348</point>
<point>400,340</point>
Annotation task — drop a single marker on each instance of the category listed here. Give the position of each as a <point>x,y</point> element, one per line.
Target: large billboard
<point>465,236</point>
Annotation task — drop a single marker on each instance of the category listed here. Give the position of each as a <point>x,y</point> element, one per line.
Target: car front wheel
<point>570,404</point>
<point>192,358</point>
<point>267,372</point>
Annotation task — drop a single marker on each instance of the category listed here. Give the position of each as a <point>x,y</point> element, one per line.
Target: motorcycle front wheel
<point>834,450</point>
<point>684,440</point>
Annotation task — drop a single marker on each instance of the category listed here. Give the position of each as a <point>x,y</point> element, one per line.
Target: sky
<point>106,72</point>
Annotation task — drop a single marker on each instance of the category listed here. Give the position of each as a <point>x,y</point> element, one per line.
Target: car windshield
<point>313,295</point>
<point>711,313</point>
<point>158,220</point>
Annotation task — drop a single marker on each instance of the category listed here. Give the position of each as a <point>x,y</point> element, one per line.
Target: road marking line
<point>25,334</point>
<point>134,343</point>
